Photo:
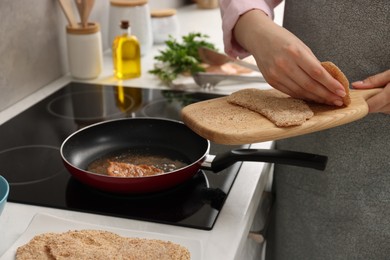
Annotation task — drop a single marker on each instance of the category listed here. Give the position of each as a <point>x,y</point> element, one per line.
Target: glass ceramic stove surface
<point>30,157</point>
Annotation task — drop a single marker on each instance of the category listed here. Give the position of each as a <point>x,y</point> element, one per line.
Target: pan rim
<point>200,160</point>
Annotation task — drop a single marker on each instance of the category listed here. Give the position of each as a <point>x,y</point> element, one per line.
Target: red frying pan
<point>163,137</point>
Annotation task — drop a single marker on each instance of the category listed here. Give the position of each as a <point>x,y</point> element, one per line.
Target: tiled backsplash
<point>32,45</point>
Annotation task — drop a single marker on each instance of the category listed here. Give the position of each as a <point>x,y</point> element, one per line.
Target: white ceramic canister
<point>164,24</point>
<point>85,54</point>
<point>137,12</point>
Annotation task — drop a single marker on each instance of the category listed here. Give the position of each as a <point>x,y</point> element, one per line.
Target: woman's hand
<point>285,61</point>
<point>381,101</point>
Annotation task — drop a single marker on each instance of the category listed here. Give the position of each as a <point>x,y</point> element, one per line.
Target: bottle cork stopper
<point>125,24</point>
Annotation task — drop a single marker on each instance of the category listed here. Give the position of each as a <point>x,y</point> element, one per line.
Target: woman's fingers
<point>295,70</point>
<point>318,73</point>
<point>381,101</point>
<point>291,79</point>
<point>292,89</point>
<point>375,81</point>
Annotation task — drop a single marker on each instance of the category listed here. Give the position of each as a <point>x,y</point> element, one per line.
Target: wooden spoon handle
<point>87,10</point>
<point>68,11</point>
<point>80,9</point>
<point>84,7</point>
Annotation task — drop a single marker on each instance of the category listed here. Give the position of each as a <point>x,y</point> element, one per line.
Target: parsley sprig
<point>180,57</point>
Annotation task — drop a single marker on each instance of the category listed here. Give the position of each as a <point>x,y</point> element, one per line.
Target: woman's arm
<point>231,10</point>
<point>285,61</point>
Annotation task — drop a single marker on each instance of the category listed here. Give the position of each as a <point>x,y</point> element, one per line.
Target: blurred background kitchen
<point>32,49</point>
<point>33,46</point>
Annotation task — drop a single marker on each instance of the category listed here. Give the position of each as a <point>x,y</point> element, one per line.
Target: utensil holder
<point>85,55</point>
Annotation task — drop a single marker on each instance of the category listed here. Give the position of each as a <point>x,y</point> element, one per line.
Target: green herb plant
<point>180,57</point>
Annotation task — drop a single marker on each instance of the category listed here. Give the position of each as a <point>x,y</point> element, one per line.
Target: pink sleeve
<point>231,10</point>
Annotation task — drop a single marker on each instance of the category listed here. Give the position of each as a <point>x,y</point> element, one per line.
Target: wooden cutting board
<point>224,123</point>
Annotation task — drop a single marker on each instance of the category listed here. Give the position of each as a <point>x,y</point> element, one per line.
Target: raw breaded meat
<point>339,76</point>
<point>279,108</point>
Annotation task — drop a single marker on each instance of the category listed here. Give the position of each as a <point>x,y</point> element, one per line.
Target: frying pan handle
<point>307,160</point>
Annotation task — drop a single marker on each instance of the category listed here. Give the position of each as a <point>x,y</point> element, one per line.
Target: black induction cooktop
<point>30,158</point>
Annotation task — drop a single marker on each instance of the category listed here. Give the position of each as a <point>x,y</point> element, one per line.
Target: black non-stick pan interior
<point>101,139</point>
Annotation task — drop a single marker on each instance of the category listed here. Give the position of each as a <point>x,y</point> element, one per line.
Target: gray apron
<point>343,212</point>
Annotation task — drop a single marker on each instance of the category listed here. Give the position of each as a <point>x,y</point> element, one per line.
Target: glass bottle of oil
<point>126,54</point>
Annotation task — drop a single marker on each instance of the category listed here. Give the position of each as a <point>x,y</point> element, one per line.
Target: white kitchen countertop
<point>230,232</point>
